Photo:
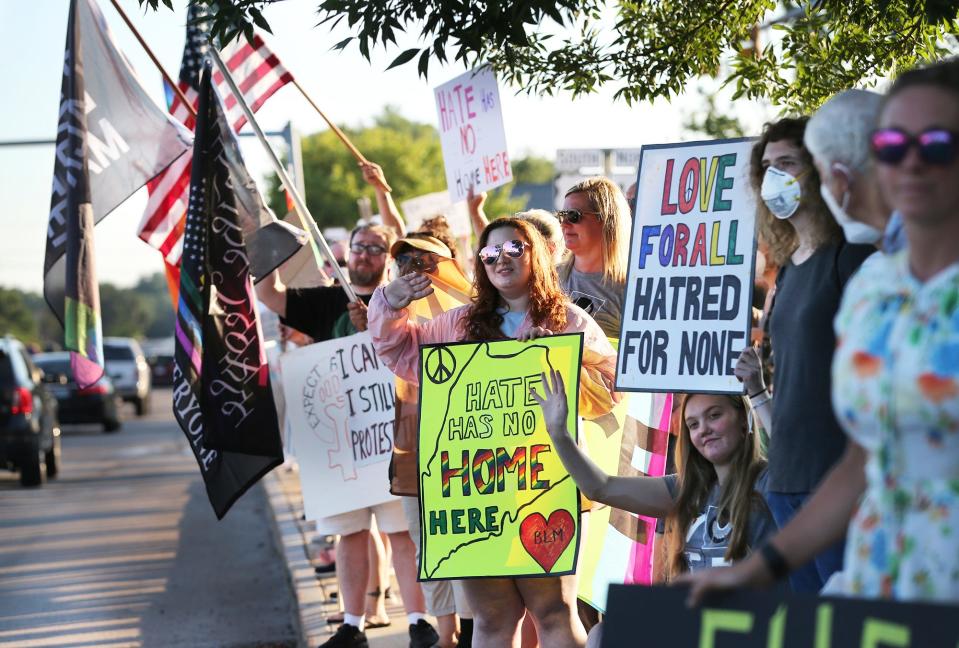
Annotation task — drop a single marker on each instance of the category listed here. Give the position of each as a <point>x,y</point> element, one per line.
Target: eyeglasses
<point>371,250</point>
<point>935,145</point>
<point>572,216</point>
<point>513,249</point>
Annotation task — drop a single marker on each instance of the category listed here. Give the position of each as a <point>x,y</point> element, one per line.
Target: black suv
<point>29,433</point>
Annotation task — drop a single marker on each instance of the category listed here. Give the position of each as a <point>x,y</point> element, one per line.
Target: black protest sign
<point>752,619</point>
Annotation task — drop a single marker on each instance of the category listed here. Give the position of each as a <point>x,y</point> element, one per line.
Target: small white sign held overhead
<point>472,134</point>
<point>688,314</point>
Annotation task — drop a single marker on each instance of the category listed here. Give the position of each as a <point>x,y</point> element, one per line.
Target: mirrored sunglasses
<point>371,250</point>
<point>572,216</point>
<point>935,145</point>
<point>513,249</point>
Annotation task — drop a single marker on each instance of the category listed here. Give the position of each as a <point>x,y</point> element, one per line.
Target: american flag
<point>257,72</point>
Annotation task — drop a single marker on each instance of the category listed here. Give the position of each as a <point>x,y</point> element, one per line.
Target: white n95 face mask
<point>854,231</point>
<point>781,192</point>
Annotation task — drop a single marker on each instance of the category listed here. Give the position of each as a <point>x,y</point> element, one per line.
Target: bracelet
<point>761,400</point>
<point>775,561</point>
<point>762,391</point>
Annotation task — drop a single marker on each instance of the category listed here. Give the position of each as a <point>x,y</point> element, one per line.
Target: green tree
<point>15,316</point>
<point>125,313</point>
<point>709,121</point>
<point>533,170</point>
<point>411,157</point>
<point>655,48</point>
<point>409,153</point>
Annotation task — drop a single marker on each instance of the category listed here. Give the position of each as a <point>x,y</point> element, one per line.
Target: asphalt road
<point>123,549</point>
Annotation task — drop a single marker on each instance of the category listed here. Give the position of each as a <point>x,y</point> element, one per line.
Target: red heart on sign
<point>545,540</point>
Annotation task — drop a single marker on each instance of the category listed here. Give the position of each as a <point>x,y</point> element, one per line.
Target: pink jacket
<point>397,341</point>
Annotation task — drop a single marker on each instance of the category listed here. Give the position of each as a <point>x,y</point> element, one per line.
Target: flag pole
<point>336,130</point>
<point>306,219</point>
<point>156,61</point>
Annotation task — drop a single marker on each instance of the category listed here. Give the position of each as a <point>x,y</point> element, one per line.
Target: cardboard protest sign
<point>471,133</point>
<point>418,209</point>
<point>495,499</point>
<point>339,403</point>
<point>630,441</point>
<point>774,619</point>
<point>688,311</point>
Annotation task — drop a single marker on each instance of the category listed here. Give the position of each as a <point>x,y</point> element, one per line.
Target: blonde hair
<point>608,200</point>
<point>696,477</point>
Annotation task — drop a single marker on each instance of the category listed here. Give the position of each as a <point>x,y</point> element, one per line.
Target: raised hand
<point>554,405</point>
<point>408,288</point>
<point>373,174</point>
<point>475,201</point>
<point>749,370</point>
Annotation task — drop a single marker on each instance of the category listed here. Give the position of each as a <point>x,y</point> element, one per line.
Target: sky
<point>347,87</point>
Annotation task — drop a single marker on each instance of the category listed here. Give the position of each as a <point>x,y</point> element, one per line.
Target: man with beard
<point>324,313</point>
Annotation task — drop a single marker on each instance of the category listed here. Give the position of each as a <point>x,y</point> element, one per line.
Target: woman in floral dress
<point>895,378</point>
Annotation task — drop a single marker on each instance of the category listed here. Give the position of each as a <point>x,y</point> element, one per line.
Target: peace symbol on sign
<point>440,365</point>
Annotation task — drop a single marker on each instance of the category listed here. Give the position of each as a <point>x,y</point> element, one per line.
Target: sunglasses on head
<point>572,216</point>
<point>372,250</point>
<point>935,145</point>
<point>513,249</point>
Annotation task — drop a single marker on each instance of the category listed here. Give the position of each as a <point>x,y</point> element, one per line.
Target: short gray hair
<point>839,130</point>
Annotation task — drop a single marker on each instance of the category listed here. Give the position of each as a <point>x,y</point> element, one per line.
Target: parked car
<point>161,367</point>
<point>129,371</point>
<point>29,433</point>
<point>94,404</point>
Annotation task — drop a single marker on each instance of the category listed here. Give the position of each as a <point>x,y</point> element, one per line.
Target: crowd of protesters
<point>857,389</point>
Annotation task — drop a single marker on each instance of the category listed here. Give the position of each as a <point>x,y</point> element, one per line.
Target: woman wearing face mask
<point>815,262</point>
<point>896,377</point>
<point>517,295</point>
<point>713,506</point>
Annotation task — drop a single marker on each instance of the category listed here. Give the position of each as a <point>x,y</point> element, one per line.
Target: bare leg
<point>376,584</point>
<point>353,570</point>
<point>552,601</point>
<point>448,628</point>
<point>404,564</point>
<point>497,612</point>
<point>529,634</point>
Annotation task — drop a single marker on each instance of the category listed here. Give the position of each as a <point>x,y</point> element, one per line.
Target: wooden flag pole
<point>156,61</point>
<point>336,130</point>
<point>306,219</point>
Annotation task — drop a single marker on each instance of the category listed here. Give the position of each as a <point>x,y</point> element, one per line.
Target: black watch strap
<point>775,561</point>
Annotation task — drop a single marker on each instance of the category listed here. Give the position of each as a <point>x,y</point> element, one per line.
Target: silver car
<point>129,371</point>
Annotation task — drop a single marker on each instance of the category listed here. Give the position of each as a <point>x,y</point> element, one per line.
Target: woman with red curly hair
<point>517,295</point>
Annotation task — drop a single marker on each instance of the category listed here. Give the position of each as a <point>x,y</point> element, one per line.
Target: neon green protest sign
<point>495,499</point>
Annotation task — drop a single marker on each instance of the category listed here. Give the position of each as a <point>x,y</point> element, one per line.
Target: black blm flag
<point>221,394</point>
<point>111,140</point>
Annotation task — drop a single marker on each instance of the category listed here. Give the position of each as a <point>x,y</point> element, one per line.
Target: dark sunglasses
<point>372,250</point>
<point>417,260</point>
<point>572,216</point>
<point>935,145</point>
<point>513,249</point>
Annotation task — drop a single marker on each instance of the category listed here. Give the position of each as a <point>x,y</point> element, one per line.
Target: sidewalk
<point>312,593</point>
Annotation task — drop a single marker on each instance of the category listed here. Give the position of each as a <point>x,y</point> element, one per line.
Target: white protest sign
<point>416,210</point>
<point>688,310</point>
<point>339,403</point>
<point>471,133</point>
